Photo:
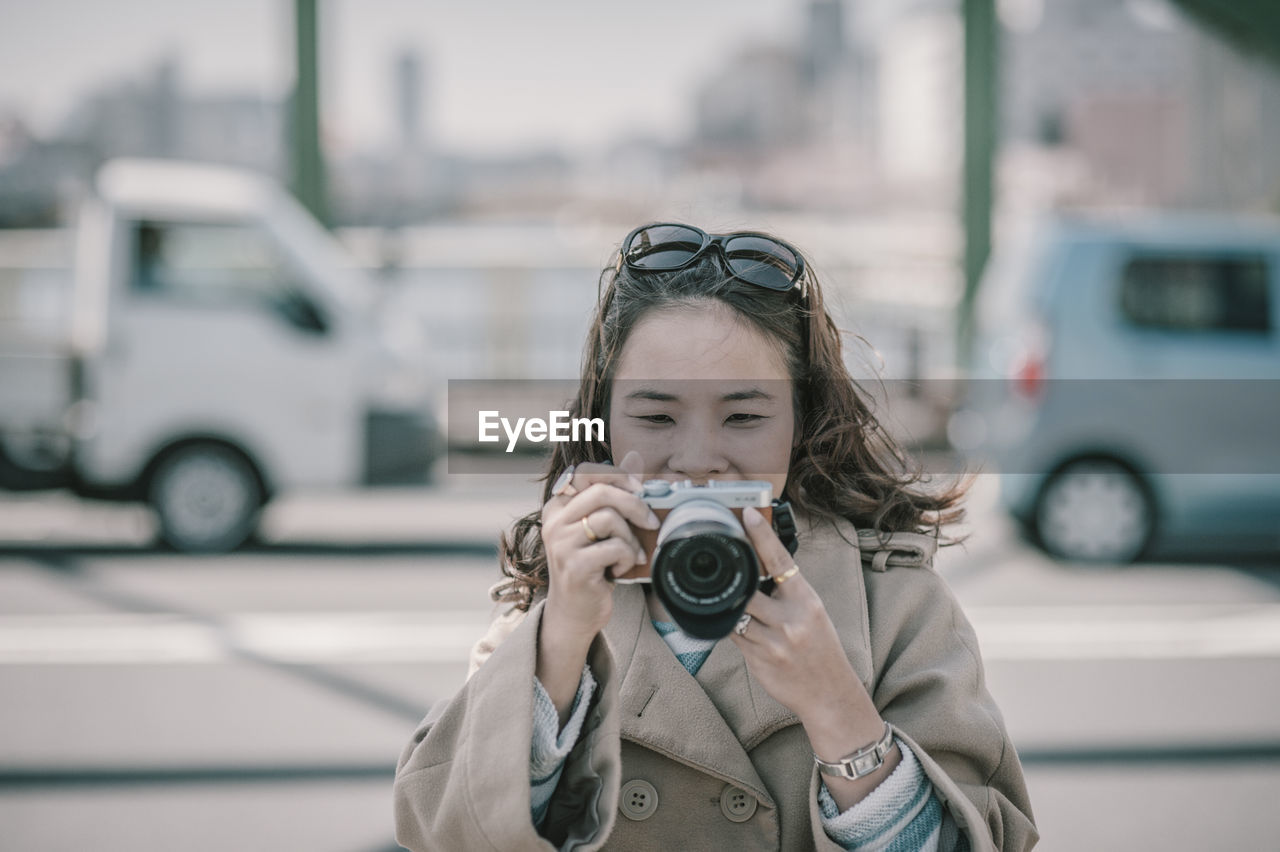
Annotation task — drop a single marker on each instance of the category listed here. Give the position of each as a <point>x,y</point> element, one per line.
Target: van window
<point>212,262</point>
<point>218,264</point>
<point>1198,294</point>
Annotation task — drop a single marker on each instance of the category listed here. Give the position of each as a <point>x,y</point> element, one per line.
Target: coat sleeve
<point>462,782</point>
<point>930,684</point>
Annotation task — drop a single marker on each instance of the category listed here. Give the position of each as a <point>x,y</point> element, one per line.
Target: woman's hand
<point>793,649</point>
<point>580,570</point>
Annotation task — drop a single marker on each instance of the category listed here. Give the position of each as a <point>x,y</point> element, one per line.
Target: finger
<point>616,558</point>
<point>749,640</point>
<point>607,523</point>
<point>573,540</point>
<point>765,610</point>
<point>601,561</point>
<point>633,464</point>
<point>589,473</point>
<point>600,496</point>
<point>773,555</point>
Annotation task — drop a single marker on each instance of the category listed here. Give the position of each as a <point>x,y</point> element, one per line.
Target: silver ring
<point>741,627</point>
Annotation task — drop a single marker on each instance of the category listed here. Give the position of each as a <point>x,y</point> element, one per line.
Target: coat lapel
<point>712,721</point>
<point>663,707</point>
<point>831,561</point>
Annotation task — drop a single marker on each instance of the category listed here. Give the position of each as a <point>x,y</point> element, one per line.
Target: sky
<point>502,75</point>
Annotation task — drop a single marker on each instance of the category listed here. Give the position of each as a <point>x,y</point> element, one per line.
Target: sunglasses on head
<point>754,258</point>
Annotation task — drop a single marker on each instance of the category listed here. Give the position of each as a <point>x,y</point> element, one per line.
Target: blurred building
<point>920,92</point>
<point>754,104</point>
<point>37,178</point>
<point>147,117</point>
<point>399,182</point>
<point>410,96</point>
<point>1153,109</point>
<point>154,117</point>
<point>796,121</point>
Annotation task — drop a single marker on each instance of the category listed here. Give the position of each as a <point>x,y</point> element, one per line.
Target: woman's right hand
<point>580,572</point>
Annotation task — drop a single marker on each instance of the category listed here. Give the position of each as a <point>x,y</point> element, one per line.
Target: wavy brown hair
<point>844,464</point>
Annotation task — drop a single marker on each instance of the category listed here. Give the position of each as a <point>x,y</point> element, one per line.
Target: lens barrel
<point>704,568</point>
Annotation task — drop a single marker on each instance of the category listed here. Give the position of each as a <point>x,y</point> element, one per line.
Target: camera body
<point>701,562</point>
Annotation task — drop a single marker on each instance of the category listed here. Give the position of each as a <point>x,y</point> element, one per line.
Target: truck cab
<point>222,349</point>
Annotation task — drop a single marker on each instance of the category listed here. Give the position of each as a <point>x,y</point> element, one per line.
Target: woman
<point>848,708</point>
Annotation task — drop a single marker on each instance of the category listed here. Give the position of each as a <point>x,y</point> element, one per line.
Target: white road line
<point>309,637</point>
<point>1119,632</point>
<point>1005,633</point>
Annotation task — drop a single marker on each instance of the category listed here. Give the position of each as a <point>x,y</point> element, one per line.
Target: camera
<point>701,562</point>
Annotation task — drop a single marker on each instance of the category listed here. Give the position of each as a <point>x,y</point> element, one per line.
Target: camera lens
<point>704,569</point>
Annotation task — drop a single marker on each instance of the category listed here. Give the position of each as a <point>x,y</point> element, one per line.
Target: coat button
<point>638,800</point>
<point>737,804</point>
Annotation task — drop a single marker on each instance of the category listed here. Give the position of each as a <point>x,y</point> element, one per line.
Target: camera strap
<point>784,524</point>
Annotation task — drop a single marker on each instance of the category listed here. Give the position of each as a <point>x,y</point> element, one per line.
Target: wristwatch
<point>862,762</point>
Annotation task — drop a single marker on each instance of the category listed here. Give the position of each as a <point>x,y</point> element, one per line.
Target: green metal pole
<point>981,45</point>
<point>307,177</point>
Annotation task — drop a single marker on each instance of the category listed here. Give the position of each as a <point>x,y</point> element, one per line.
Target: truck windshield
<point>213,264</point>
<point>314,249</point>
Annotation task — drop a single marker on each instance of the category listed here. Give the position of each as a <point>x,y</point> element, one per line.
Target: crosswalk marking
<point>1005,633</point>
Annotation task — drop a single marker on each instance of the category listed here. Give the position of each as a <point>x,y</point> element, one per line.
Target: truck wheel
<point>207,497</point>
<point>1095,510</point>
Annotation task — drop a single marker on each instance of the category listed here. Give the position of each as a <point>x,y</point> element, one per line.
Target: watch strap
<point>862,762</point>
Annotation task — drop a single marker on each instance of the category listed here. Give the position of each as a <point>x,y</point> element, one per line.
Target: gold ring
<point>741,627</point>
<point>591,534</point>
<point>786,575</point>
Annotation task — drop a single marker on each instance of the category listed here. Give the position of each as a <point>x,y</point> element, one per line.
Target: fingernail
<point>641,558</point>
<point>653,521</point>
<point>752,516</point>
<point>633,482</point>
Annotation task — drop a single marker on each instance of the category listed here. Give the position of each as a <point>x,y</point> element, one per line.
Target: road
<point>259,700</point>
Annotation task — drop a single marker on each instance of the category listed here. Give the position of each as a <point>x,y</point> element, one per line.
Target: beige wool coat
<point>712,761</point>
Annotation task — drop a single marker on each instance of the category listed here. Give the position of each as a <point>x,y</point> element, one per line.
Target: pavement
<point>257,700</point>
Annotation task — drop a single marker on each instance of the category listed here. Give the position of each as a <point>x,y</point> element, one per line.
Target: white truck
<point>220,349</point>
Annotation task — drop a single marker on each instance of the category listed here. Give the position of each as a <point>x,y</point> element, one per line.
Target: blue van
<point>1126,385</point>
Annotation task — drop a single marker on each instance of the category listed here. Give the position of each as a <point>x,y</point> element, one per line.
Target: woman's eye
<point>743,417</point>
<point>655,418</point>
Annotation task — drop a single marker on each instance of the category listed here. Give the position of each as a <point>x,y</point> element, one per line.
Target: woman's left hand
<point>793,649</point>
<point>790,645</point>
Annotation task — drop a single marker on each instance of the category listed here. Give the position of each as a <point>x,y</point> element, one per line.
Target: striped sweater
<point>899,815</point>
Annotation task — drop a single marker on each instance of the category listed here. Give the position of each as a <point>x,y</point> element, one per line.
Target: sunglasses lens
<point>663,247</point>
<point>762,261</point>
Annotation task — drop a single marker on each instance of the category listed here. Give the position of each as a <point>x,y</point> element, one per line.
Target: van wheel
<point>208,498</point>
<point>1095,510</point>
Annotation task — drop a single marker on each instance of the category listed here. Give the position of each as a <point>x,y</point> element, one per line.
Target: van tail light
<point>1028,380</point>
<point>1029,369</point>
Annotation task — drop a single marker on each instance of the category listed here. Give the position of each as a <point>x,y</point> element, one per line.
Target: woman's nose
<point>697,457</point>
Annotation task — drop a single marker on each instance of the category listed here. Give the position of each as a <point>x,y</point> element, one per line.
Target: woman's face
<point>703,395</point>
